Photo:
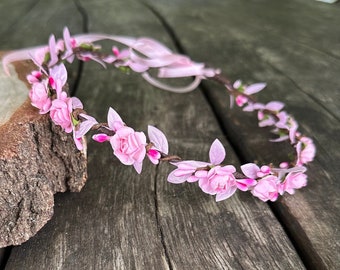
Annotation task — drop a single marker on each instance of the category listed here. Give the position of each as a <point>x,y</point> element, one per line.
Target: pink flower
<point>285,122</point>
<point>218,180</point>
<point>58,75</point>
<point>305,149</point>
<point>294,180</point>
<point>267,119</point>
<point>253,171</point>
<point>114,122</point>
<point>247,90</point>
<point>39,97</point>
<point>185,171</point>
<point>129,147</point>
<point>61,109</point>
<point>60,112</point>
<point>267,188</point>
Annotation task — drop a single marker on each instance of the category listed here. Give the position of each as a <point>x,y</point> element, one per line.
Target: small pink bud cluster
<point>272,181</point>
<point>243,92</point>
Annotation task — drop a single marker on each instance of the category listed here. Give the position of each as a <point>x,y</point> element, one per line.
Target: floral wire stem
<point>49,94</point>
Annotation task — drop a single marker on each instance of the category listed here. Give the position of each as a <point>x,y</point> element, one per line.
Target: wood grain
<point>276,43</point>
<point>122,220</point>
<point>125,221</point>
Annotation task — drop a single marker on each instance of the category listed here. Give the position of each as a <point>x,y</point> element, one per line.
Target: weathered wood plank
<point>122,220</point>
<point>301,65</point>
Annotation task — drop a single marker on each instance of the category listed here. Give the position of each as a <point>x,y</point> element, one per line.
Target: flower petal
<point>158,138</point>
<point>250,170</point>
<point>114,120</point>
<point>138,167</point>
<point>172,178</point>
<point>254,88</point>
<point>217,152</point>
<point>275,106</point>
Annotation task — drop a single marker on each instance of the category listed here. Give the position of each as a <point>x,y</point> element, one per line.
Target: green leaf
<point>75,122</point>
<point>125,70</point>
<point>86,46</point>
<point>47,57</point>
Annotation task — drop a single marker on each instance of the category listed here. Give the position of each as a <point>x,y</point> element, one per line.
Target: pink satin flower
<point>185,171</point>
<point>129,147</point>
<point>305,149</point>
<point>39,97</point>
<point>219,181</point>
<point>61,109</point>
<point>60,112</point>
<point>267,188</point>
<point>247,90</point>
<point>294,180</point>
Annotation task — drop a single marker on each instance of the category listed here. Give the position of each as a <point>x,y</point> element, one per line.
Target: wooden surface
<point>124,221</point>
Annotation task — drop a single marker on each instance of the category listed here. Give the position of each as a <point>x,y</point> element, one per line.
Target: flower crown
<point>48,94</point>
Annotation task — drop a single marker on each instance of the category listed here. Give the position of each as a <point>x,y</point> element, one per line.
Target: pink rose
<point>294,180</point>
<point>129,147</point>
<point>267,188</point>
<point>218,180</point>
<point>39,97</point>
<point>61,110</point>
<point>305,149</point>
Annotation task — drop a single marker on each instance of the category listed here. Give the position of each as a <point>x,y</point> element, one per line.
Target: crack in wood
<point>306,257</point>
<point>158,222</point>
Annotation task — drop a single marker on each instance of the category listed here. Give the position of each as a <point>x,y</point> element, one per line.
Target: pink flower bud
<point>34,77</point>
<point>284,165</point>
<point>154,156</point>
<point>101,137</point>
<point>241,100</point>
